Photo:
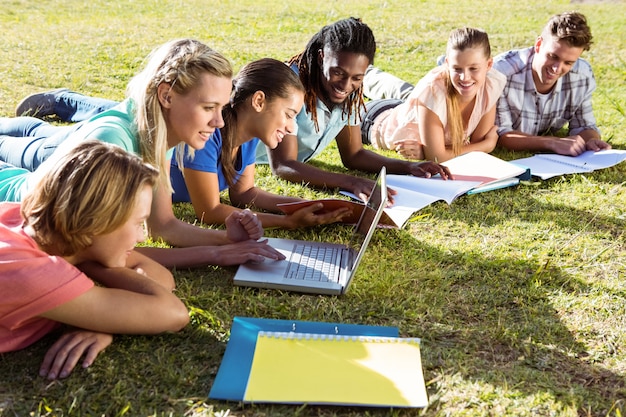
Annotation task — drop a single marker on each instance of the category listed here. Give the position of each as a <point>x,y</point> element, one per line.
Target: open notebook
<point>318,267</point>
<point>549,165</point>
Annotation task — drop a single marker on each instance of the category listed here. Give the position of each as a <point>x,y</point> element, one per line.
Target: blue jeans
<point>378,84</point>
<point>74,107</point>
<point>25,142</point>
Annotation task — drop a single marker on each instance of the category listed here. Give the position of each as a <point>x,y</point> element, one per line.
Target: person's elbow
<point>175,318</point>
<point>180,319</point>
<point>351,162</point>
<point>163,229</point>
<point>285,170</point>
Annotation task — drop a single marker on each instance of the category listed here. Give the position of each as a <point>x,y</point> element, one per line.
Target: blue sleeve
<point>248,153</point>
<point>205,159</point>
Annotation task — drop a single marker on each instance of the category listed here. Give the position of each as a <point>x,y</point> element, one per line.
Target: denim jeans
<point>74,107</point>
<point>25,142</point>
<point>378,84</point>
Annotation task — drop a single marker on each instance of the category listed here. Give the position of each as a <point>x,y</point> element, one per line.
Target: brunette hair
<point>274,79</point>
<point>347,35</point>
<point>90,191</point>
<point>179,63</point>
<point>570,27</point>
<point>460,40</point>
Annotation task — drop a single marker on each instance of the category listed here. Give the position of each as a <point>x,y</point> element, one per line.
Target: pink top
<point>401,122</point>
<point>31,282</point>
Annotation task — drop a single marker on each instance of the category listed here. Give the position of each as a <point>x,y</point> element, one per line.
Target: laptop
<point>318,267</point>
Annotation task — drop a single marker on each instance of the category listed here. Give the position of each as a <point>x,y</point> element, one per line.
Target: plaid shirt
<point>520,108</point>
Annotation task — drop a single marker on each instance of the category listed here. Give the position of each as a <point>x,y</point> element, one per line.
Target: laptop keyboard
<point>314,263</point>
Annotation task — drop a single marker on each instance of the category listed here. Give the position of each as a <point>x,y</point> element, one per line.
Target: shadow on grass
<point>489,321</point>
<point>502,329</point>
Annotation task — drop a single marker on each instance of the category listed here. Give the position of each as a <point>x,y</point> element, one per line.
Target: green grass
<point>518,294</point>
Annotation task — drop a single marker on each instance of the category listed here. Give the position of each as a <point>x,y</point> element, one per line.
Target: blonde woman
<point>450,111</point>
<point>177,98</point>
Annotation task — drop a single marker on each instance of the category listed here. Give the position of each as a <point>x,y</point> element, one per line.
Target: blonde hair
<point>179,63</point>
<point>91,191</point>
<point>460,40</point>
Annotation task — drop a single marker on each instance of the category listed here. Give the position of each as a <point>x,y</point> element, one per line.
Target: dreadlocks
<point>347,35</point>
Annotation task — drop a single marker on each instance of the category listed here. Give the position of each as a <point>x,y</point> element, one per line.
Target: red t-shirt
<point>31,282</point>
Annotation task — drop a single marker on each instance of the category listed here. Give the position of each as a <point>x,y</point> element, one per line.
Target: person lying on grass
<point>451,111</point>
<point>176,98</point>
<point>82,222</point>
<point>267,95</point>
<point>331,68</point>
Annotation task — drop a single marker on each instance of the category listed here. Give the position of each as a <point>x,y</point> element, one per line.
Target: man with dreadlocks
<point>331,68</point>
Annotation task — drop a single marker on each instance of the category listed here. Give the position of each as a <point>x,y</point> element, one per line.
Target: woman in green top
<point>176,99</point>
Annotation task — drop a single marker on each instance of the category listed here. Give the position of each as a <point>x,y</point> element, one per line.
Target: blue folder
<point>232,377</point>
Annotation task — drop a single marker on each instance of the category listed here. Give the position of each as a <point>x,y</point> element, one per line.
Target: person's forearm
<point>122,278</point>
<point>181,257</point>
<point>480,146</point>
<point>299,172</point>
<point>369,161</point>
<point>152,269</point>
<point>271,220</point>
<point>589,134</point>
<point>442,156</point>
<point>518,141</point>
<point>258,198</point>
<point>268,220</point>
<point>182,234</point>
<point>214,215</point>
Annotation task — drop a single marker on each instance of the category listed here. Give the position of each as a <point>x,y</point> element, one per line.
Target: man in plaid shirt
<point>549,86</point>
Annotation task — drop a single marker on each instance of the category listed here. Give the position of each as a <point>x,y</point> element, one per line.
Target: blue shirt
<point>310,141</point>
<point>207,159</point>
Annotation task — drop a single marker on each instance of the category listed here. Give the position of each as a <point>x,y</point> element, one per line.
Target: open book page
<point>414,193</point>
<point>432,189</point>
<point>546,169</point>
<point>335,369</point>
<point>546,166</point>
<point>482,167</point>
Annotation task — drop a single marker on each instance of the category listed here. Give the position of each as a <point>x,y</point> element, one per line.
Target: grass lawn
<point>518,295</point>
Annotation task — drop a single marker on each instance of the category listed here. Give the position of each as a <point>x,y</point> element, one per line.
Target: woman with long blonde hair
<point>450,111</point>
<point>176,98</point>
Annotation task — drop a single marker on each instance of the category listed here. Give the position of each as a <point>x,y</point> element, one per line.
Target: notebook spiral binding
<point>336,337</point>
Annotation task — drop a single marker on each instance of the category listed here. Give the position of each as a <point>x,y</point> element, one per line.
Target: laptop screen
<point>366,225</point>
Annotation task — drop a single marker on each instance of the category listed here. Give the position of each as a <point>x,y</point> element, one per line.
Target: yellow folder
<point>334,369</point>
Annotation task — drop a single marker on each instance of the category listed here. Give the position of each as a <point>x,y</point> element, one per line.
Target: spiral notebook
<point>234,371</point>
<point>334,369</point>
